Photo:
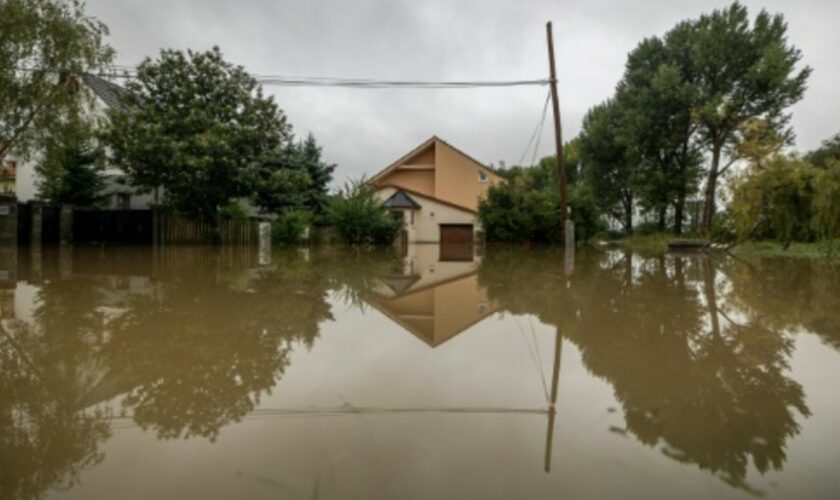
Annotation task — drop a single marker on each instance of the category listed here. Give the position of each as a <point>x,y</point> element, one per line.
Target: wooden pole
<point>558,132</point>
<point>552,411</point>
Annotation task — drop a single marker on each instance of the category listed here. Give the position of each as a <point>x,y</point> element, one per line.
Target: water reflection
<point>184,342</point>
<point>434,294</point>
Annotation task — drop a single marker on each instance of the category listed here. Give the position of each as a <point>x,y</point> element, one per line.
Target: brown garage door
<point>456,233</point>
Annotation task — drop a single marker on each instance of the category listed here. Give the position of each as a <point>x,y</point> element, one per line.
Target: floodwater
<point>430,373</point>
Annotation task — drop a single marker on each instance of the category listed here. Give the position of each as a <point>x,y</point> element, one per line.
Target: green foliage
<point>359,217</point>
<point>197,126</point>
<point>295,178</point>
<point>776,201</point>
<point>290,227</point>
<point>829,151</point>
<point>609,166</point>
<point>826,202</point>
<point>744,72</point>
<point>43,44</point>
<point>717,86</point>
<point>71,169</point>
<point>526,208</point>
<point>513,211</point>
<point>233,211</point>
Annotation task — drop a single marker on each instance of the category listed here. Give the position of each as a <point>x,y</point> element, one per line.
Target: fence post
<point>65,224</point>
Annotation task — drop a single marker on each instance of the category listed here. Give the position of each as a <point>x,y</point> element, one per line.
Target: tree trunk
<point>711,186</point>
<point>628,216</point>
<point>679,209</point>
<point>660,224</point>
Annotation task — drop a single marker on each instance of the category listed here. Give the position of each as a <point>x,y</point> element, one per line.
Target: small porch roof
<point>401,200</point>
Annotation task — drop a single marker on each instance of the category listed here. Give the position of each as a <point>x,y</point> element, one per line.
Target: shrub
<point>290,227</point>
<point>826,202</point>
<point>775,201</point>
<point>521,210</point>
<point>359,218</point>
<point>233,211</point>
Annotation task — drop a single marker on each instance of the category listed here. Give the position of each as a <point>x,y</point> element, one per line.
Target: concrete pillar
<point>65,225</point>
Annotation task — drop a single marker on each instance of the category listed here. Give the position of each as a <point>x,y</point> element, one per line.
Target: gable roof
<point>110,93</point>
<point>428,142</point>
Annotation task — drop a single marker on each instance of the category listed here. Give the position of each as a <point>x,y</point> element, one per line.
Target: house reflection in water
<point>436,294</point>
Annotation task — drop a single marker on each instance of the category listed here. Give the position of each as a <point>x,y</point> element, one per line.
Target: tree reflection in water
<point>704,382</point>
<point>187,341</point>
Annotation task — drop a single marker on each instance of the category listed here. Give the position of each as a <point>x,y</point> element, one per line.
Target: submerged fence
<point>178,229</point>
<point>148,227</point>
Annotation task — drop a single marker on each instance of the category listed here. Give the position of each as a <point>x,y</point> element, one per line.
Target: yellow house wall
<point>422,181</point>
<point>427,220</point>
<point>457,178</point>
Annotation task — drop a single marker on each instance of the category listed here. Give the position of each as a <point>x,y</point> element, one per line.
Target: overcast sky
<point>363,130</point>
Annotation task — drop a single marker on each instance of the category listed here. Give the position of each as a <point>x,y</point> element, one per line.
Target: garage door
<point>456,233</point>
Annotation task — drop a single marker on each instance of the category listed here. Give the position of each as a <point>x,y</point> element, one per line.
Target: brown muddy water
<point>437,373</point>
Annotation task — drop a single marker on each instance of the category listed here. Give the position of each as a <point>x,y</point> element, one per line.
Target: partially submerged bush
<point>359,218</point>
<point>290,227</point>
<point>523,209</point>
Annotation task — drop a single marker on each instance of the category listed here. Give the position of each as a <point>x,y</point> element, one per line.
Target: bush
<point>775,201</point>
<point>826,202</point>
<point>290,227</point>
<point>233,211</point>
<point>520,210</point>
<point>359,218</point>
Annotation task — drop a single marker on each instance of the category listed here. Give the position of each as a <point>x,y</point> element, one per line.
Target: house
<point>105,95</point>
<point>433,297</point>
<point>434,190</point>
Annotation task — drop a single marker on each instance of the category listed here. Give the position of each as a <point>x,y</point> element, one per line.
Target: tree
<point>744,72</point>
<point>294,178</point>
<point>72,167</point>
<point>609,167</point>
<point>306,156</point>
<point>656,95</point>
<point>775,201</point>
<point>196,126</point>
<point>828,151</point>
<point>359,217</point>
<point>42,44</point>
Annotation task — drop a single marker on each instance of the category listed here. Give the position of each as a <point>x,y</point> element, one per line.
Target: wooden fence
<point>175,229</point>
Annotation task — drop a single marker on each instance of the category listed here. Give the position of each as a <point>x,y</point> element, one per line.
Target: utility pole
<point>558,140</point>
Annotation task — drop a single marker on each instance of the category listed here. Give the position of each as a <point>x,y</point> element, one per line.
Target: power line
<point>122,71</point>
<point>310,81</point>
<point>537,132</point>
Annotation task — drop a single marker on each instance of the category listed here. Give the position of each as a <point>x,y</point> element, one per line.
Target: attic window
<point>482,177</point>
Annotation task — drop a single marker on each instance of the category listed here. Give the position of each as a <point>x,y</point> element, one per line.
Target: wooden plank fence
<point>175,229</point>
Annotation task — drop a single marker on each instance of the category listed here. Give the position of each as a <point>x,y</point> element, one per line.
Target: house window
<point>482,176</point>
<point>412,217</point>
<point>123,201</point>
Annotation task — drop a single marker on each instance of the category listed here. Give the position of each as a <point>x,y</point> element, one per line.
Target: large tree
<point>609,165</point>
<point>657,94</point>
<point>196,126</point>
<point>744,72</point>
<point>43,43</point>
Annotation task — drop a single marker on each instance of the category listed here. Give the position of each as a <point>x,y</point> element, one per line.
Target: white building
<point>105,95</point>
